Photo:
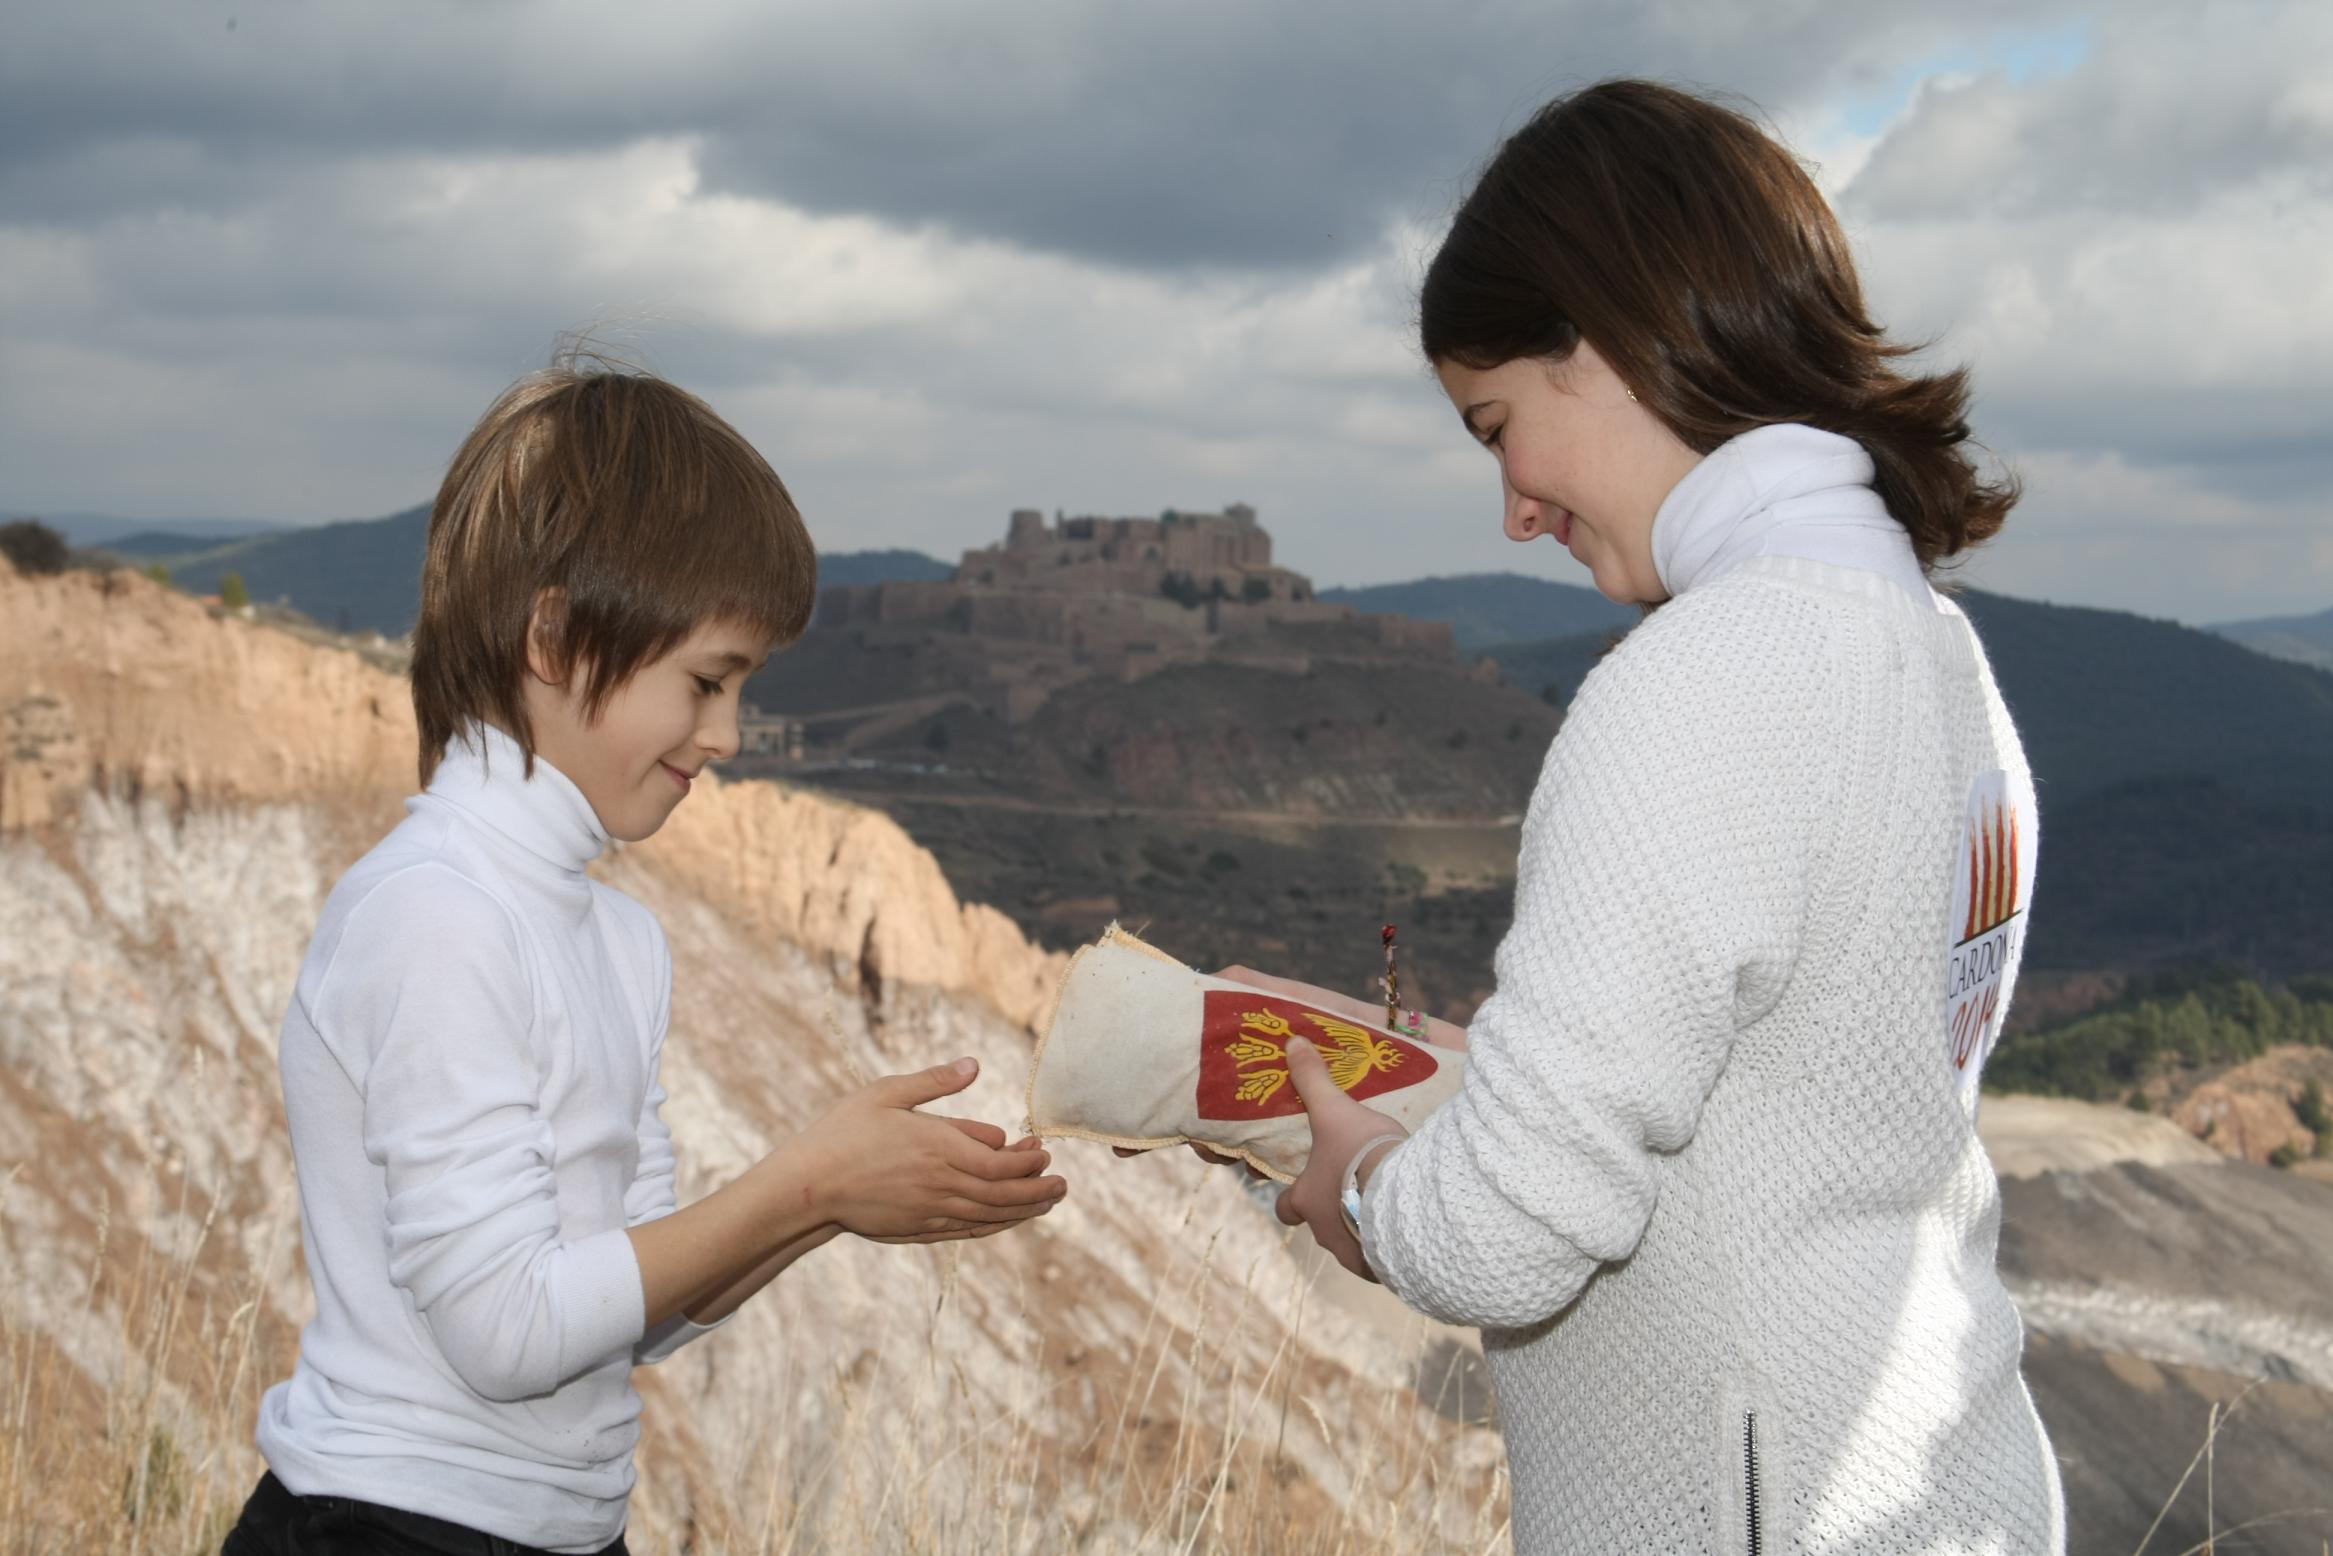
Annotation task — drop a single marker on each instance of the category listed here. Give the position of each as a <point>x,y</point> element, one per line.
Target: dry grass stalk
<point>131,1433</point>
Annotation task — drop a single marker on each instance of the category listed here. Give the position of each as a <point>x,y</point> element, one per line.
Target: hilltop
<point>181,786</point>
<point>2186,783</point>
<point>2304,640</point>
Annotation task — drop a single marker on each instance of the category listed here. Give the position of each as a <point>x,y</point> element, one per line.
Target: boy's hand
<point>891,1174</point>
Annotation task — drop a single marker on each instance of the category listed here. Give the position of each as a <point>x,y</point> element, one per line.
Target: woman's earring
<point>1631,396</point>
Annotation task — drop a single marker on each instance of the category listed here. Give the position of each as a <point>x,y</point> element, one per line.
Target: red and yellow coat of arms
<point>1243,1055</point>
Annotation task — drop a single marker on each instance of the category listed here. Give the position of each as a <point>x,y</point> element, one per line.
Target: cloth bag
<point>1142,1051</point>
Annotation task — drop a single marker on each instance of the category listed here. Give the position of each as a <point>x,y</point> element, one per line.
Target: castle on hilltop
<point>1225,555</point>
<point>1125,597</point>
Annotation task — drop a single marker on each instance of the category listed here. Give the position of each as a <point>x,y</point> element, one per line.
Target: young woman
<point>1713,1187</point>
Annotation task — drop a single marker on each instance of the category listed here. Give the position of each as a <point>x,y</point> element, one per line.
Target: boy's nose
<point>717,733</point>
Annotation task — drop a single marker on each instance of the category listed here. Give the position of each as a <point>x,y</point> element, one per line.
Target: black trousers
<point>277,1523</point>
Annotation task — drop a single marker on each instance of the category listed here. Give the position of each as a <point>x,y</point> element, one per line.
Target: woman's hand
<point>1442,1034</point>
<point>891,1174</point>
<point>1340,1127</point>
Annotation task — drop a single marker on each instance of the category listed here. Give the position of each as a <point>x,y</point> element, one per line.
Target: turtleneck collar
<point>1785,490</point>
<point>483,774</point>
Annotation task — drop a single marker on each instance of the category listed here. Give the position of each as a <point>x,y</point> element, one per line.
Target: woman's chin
<point>1619,590</point>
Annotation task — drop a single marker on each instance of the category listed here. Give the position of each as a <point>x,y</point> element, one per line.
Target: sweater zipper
<point>1750,1477</point>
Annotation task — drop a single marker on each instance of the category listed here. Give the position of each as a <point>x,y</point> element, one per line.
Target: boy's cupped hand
<point>892,1174</point>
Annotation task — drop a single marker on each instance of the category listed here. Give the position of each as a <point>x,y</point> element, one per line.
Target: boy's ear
<point>547,637</point>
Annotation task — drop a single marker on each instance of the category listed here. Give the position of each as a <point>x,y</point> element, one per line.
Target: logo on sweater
<point>1992,887</point>
<point>1243,1055</point>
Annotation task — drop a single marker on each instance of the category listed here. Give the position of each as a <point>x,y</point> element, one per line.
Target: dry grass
<point>128,1429</point>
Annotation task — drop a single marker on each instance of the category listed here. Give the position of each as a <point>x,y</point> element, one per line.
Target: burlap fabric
<point>1143,1051</point>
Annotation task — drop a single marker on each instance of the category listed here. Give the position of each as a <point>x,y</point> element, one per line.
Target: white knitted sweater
<point>1713,1187</point>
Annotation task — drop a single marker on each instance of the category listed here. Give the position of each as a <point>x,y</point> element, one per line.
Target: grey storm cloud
<point>1210,133</point>
<point>943,260</point>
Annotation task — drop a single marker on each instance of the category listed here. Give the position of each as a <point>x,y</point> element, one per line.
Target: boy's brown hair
<point>624,504</point>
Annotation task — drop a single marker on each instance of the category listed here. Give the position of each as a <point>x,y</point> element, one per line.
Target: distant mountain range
<point>364,575</point>
<point>2305,640</point>
<point>2186,782</point>
<point>838,568</point>
<point>138,535</point>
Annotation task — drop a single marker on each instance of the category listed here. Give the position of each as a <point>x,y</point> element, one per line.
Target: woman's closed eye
<point>706,687</point>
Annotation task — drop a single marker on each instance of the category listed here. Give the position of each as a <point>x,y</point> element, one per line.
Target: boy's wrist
<point>794,1185</point>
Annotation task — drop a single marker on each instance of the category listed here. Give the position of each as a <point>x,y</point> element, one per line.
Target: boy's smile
<point>640,757</point>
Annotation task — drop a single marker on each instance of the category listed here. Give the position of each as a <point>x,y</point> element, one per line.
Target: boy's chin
<point>640,824</point>
<point>637,830</point>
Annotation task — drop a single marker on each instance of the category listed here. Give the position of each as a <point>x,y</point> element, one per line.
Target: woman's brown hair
<point>1709,271</point>
<point>624,505</point>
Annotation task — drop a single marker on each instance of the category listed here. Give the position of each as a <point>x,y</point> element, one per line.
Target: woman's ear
<point>547,637</point>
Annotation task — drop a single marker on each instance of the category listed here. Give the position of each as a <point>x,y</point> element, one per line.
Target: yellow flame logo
<point>1352,1053</point>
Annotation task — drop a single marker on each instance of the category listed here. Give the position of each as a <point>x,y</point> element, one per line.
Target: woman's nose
<point>1526,519</point>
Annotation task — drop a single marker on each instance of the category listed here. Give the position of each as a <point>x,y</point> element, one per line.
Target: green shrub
<point>2309,1108</point>
<point>232,594</point>
<point>2197,1019</point>
<point>2283,1156</point>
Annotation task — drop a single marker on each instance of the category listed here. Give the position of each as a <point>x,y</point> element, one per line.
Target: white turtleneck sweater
<point>470,1071</point>
<point>1713,1187</point>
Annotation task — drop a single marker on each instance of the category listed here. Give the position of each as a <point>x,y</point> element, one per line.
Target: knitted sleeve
<point>429,1006</point>
<point>651,1195</point>
<point>1660,898</point>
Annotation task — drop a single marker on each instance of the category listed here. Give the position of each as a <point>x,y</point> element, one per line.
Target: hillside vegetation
<point>2186,784</point>
<point>2174,1020</point>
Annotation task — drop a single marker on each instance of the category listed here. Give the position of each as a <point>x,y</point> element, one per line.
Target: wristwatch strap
<point>1349,1200</point>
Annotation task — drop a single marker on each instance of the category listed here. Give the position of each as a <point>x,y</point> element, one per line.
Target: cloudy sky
<point>268,258</point>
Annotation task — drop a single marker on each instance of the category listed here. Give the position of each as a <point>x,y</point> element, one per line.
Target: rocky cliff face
<point>180,790</point>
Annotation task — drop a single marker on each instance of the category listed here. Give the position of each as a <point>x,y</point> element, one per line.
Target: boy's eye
<point>1490,439</point>
<point>708,688</point>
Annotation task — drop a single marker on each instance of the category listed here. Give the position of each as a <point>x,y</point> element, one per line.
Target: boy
<point>470,1059</point>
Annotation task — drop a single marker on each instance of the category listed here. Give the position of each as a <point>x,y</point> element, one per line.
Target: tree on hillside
<point>160,573</point>
<point>34,547</point>
<point>232,594</point>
